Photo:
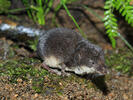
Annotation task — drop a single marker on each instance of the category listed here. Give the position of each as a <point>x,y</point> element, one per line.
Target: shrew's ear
<point>80,45</point>
<point>96,51</point>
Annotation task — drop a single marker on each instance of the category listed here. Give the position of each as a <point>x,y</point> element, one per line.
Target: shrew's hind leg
<point>54,71</point>
<point>63,73</point>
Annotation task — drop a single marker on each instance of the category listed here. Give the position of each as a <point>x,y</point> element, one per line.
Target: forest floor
<point>23,78</point>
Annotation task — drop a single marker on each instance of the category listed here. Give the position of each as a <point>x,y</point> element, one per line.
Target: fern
<point>125,9</point>
<point>110,22</point>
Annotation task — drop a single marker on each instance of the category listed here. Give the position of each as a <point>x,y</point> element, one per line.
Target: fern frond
<point>125,9</point>
<point>110,22</point>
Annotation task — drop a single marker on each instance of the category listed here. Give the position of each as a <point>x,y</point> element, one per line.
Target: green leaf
<point>106,18</point>
<point>114,23</point>
<point>114,19</point>
<point>113,42</point>
<point>118,5</point>
<point>124,13</point>
<point>115,27</point>
<point>108,31</point>
<point>106,23</point>
<point>107,12</point>
<point>129,7</point>
<point>108,2</point>
<point>121,9</point>
<point>107,7</point>
<point>127,17</point>
<point>107,26</point>
<point>118,67</point>
<point>130,21</point>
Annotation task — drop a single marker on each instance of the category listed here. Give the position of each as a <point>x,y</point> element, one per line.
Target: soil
<point>120,88</point>
<point>23,78</point>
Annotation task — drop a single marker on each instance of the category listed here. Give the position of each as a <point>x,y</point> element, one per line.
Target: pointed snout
<point>103,70</point>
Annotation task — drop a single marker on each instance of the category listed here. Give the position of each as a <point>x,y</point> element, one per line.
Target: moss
<point>17,68</point>
<point>33,44</point>
<point>121,61</point>
<point>28,69</point>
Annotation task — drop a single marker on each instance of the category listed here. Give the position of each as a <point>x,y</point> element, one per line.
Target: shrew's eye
<point>91,62</point>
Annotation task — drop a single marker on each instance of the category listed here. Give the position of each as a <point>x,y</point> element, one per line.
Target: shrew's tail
<point>15,29</point>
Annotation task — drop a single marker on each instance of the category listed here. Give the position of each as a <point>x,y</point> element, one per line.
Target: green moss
<point>33,43</point>
<point>121,61</point>
<point>29,69</point>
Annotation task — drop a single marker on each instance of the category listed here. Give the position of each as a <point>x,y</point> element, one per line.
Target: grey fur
<point>71,49</point>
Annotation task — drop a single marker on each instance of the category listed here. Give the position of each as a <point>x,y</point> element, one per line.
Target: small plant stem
<point>17,10</point>
<point>93,12</point>
<point>69,14</point>
<point>125,41</point>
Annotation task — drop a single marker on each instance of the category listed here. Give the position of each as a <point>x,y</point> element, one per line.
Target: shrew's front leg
<point>54,71</point>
